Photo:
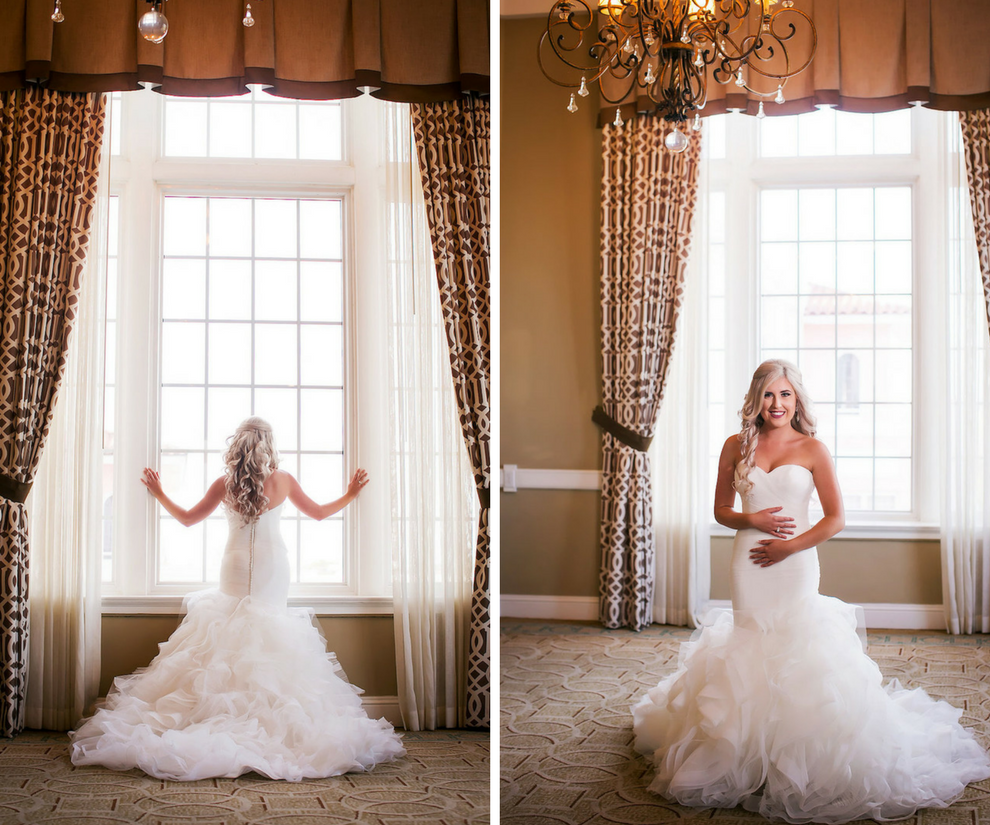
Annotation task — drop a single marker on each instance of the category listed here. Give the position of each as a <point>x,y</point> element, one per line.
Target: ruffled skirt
<point>784,713</point>
<point>242,685</point>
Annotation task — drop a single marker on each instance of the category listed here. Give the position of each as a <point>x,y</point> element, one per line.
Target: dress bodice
<point>787,485</point>
<point>255,562</point>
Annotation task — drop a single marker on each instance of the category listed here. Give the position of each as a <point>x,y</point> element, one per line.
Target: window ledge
<point>875,531</point>
<point>322,605</point>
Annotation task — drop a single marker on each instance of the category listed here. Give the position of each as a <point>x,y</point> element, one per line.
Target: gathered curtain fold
<point>871,57</point>
<point>433,497</point>
<point>452,142</point>
<point>965,538</point>
<point>649,195</point>
<point>50,145</point>
<point>407,50</point>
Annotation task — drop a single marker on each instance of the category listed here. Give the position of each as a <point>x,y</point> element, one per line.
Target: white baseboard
<point>585,608</point>
<point>388,706</point>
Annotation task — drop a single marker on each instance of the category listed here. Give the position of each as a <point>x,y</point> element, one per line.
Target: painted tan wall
<point>550,370</point>
<point>365,647</point>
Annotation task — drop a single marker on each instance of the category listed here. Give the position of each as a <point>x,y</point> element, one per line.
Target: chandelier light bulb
<point>572,106</point>
<point>761,114</point>
<point>618,118</point>
<point>583,91</point>
<point>57,16</point>
<point>248,20</point>
<point>153,26</point>
<point>780,94</point>
<point>676,141</point>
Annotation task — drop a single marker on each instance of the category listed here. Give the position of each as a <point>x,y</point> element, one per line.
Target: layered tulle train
<point>782,712</point>
<point>242,685</point>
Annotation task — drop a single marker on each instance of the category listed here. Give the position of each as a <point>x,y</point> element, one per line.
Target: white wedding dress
<point>244,684</point>
<point>775,706</point>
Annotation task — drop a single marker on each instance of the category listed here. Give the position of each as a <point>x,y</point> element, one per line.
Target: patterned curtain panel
<point>452,139</point>
<point>648,203</point>
<point>49,163</point>
<point>976,146</point>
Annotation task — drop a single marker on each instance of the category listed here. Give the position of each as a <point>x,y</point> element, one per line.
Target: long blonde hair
<point>250,458</point>
<point>803,421</point>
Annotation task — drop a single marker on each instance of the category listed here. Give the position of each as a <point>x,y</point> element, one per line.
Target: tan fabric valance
<point>874,57</point>
<point>409,50</point>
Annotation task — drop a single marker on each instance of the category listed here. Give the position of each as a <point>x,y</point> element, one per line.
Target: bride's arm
<point>833,520</point>
<point>194,514</point>
<point>310,508</point>
<point>768,520</point>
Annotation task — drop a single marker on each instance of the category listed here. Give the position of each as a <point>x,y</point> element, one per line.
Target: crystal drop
<point>697,123</point>
<point>572,106</point>
<point>685,37</point>
<point>739,78</point>
<point>788,4</point>
<point>676,141</point>
<point>618,118</point>
<point>248,20</point>
<point>648,38</point>
<point>153,26</point>
<point>649,78</point>
<point>761,114</point>
<point>57,16</point>
<point>780,94</point>
<point>628,46</point>
<point>699,61</point>
<point>583,91</point>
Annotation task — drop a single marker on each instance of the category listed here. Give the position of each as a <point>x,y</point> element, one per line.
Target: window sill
<point>322,605</point>
<point>876,531</point>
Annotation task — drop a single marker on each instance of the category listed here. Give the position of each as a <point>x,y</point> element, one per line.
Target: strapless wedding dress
<point>775,706</point>
<point>244,684</point>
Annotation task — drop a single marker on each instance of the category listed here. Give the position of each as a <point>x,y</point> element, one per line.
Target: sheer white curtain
<point>681,500</point>
<point>433,498</point>
<point>65,513</point>
<point>966,439</point>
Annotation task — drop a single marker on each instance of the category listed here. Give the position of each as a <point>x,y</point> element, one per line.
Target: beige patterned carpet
<point>566,734</point>
<point>444,779</point>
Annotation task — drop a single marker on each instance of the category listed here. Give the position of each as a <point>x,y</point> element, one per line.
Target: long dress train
<point>244,684</point>
<point>776,706</point>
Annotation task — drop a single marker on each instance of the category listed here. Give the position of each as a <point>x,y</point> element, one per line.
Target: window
<point>816,233</point>
<point>245,282</point>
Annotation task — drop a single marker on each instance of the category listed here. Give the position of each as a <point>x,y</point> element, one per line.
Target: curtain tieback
<point>14,490</point>
<point>628,437</point>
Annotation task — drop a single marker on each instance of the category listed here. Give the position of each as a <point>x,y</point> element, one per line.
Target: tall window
<point>249,250</point>
<point>814,244</point>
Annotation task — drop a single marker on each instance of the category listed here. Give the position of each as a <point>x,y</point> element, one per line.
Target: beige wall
<point>365,647</point>
<point>550,370</point>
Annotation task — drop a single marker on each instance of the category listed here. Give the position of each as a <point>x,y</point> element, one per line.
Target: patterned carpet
<point>444,779</point>
<point>566,741</point>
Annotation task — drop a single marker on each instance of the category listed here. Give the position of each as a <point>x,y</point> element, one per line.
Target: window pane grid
<point>214,393</point>
<point>852,341</point>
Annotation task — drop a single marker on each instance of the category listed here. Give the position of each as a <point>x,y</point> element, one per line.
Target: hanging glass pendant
<point>650,78</point>
<point>618,118</point>
<point>780,94</point>
<point>696,126</point>
<point>153,25</point>
<point>676,141</point>
<point>572,106</point>
<point>57,16</point>
<point>248,20</point>
<point>761,114</point>
<point>739,79</point>
<point>583,91</point>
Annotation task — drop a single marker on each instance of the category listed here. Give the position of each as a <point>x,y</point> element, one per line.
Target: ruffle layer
<point>783,713</point>
<point>242,685</point>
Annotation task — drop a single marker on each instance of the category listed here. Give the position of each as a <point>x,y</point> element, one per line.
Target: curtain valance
<point>408,50</point>
<point>872,57</point>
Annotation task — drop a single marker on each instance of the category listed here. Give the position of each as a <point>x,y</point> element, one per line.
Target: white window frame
<point>741,175</point>
<point>141,177</point>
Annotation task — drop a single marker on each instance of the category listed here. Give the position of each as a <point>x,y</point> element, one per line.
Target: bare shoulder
<point>732,449</point>
<point>816,451</point>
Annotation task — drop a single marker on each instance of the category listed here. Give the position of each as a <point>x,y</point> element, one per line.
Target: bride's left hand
<point>770,552</point>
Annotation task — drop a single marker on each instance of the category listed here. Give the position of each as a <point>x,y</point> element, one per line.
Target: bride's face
<point>779,404</point>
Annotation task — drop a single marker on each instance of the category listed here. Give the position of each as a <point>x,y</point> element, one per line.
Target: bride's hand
<point>769,552</point>
<point>358,480</point>
<point>152,481</point>
<point>767,521</point>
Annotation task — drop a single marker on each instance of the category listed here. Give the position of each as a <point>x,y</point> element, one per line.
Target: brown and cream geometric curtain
<point>648,204</point>
<point>452,140</point>
<point>976,146</point>
<point>50,145</point>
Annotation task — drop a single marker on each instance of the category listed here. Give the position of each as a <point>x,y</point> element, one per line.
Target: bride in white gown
<point>245,683</point>
<point>776,706</point>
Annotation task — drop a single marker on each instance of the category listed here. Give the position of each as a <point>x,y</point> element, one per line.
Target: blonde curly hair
<point>250,458</point>
<point>803,421</point>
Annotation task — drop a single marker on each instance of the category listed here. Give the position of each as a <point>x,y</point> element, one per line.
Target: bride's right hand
<point>767,521</point>
<point>152,481</point>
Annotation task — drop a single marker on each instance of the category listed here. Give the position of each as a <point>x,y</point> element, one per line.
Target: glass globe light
<point>153,26</point>
<point>676,141</point>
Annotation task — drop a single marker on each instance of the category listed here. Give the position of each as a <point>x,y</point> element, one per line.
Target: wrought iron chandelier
<point>670,48</point>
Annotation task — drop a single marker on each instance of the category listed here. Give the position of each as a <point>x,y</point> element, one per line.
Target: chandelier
<point>670,49</point>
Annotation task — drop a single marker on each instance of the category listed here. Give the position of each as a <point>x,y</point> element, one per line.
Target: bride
<point>245,683</point>
<point>776,706</point>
